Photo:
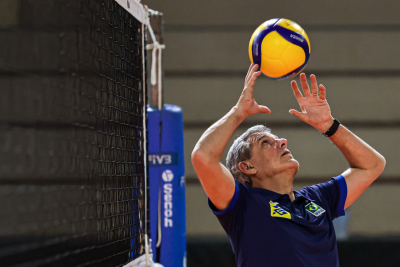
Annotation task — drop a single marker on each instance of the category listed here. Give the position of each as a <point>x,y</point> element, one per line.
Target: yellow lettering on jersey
<point>277,211</point>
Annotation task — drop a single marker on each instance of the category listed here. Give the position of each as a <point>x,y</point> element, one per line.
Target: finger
<point>304,85</point>
<point>298,115</point>
<point>248,73</point>
<point>296,91</point>
<point>252,69</point>
<point>253,79</point>
<point>322,93</point>
<point>314,85</point>
<point>264,109</point>
<point>255,68</point>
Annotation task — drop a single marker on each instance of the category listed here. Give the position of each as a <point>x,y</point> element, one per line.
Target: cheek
<point>269,158</point>
<point>265,161</point>
<point>263,158</point>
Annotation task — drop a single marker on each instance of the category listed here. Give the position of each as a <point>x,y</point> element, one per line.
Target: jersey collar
<point>298,195</point>
<point>273,196</point>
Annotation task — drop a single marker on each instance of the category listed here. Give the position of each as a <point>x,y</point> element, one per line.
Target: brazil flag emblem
<point>314,209</point>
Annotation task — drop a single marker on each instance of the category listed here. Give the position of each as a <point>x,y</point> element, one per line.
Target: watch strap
<point>333,128</point>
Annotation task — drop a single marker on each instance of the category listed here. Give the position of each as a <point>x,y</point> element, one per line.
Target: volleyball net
<point>73,175</point>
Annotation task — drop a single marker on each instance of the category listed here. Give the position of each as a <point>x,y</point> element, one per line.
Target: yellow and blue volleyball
<point>280,47</point>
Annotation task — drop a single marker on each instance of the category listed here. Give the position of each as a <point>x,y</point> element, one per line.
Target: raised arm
<point>366,164</point>
<point>216,179</point>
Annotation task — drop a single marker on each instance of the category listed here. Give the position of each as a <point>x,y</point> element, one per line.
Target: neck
<point>281,184</point>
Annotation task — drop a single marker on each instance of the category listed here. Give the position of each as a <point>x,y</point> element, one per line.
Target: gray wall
<point>354,53</point>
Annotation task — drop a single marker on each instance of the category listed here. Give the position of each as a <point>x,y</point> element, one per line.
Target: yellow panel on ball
<point>273,68</point>
<point>274,45</point>
<point>293,57</point>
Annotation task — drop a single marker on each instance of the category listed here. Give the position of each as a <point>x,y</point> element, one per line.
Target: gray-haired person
<point>267,222</point>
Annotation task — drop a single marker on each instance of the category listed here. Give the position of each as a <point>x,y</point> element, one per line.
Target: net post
<point>156,19</point>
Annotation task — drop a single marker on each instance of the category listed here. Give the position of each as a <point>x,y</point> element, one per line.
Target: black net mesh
<point>71,135</point>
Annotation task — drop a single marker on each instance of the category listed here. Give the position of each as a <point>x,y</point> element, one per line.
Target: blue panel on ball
<point>294,38</point>
<point>256,46</point>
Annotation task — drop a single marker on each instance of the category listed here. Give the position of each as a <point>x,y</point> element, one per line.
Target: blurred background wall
<point>354,53</point>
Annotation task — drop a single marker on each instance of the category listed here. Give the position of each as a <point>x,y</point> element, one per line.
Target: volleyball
<point>280,47</point>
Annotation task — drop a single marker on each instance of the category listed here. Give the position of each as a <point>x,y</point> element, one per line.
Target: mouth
<point>286,152</point>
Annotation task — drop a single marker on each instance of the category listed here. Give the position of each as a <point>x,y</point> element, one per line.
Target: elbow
<point>203,159</point>
<point>198,157</point>
<point>201,162</point>
<point>380,165</point>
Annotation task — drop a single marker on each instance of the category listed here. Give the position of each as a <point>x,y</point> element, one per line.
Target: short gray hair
<point>241,151</point>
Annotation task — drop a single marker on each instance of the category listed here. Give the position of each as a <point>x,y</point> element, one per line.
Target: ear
<point>247,168</point>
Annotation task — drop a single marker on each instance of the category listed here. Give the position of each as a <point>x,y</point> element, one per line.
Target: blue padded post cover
<point>167,179</point>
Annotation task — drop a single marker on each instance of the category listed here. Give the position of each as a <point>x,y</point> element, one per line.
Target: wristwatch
<point>333,128</point>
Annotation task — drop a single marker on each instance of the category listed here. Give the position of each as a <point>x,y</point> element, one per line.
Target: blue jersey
<point>267,229</point>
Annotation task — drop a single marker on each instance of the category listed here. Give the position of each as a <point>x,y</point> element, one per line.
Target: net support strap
<point>156,60</point>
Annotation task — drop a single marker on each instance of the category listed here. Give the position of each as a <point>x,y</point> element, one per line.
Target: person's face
<point>270,155</point>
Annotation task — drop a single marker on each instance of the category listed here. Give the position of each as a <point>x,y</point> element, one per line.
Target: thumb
<point>264,109</point>
<point>298,115</point>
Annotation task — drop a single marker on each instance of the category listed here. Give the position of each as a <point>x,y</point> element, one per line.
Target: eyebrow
<point>261,137</point>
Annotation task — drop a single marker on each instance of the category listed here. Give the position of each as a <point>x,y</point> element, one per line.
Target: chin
<point>293,161</point>
<point>291,166</point>
<point>294,164</point>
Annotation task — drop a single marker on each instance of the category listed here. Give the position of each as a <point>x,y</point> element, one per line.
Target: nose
<point>282,142</point>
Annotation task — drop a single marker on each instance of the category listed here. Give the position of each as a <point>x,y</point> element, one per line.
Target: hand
<point>314,107</point>
<point>246,104</point>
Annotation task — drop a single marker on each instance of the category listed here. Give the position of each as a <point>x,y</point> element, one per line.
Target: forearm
<point>215,139</point>
<point>357,153</point>
<point>366,164</point>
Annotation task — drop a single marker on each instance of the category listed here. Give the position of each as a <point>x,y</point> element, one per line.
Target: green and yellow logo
<point>277,211</point>
<point>314,209</point>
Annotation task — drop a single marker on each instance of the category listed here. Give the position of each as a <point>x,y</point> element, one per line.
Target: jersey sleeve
<point>331,194</point>
<point>230,218</point>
